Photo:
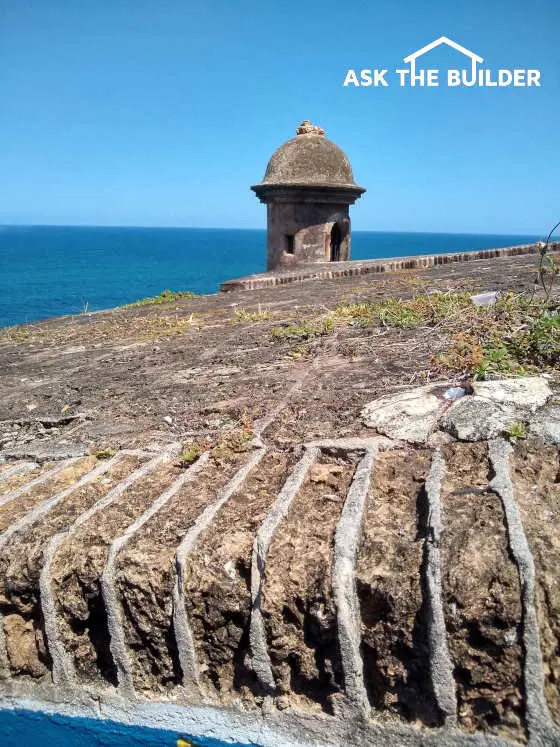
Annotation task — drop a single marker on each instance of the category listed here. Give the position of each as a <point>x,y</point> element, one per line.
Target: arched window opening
<point>336,241</point>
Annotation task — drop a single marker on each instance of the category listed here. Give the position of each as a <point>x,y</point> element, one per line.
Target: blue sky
<point>135,112</point>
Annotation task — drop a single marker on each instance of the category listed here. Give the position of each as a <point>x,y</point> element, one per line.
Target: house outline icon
<point>411,58</point>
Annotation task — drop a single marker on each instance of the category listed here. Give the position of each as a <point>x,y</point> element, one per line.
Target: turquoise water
<point>30,728</point>
<point>51,270</point>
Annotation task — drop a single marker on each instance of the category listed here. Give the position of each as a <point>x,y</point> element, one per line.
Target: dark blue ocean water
<point>31,728</point>
<point>48,270</point>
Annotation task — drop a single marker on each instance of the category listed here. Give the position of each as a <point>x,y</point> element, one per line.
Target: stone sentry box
<point>308,188</point>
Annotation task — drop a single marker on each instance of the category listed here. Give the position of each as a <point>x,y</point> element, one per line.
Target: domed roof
<point>309,159</point>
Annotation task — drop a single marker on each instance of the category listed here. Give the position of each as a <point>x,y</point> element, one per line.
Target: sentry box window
<point>289,243</point>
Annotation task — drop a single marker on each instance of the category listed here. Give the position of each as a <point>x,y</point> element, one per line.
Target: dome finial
<point>306,128</point>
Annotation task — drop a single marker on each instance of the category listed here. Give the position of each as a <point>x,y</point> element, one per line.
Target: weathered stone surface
<point>546,425</point>
<point>25,647</point>
<point>47,486</point>
<point>389,579</point>
<point>297,606</point>
<point>46,452</point>
<point>225,375</point>
<point>482,597</point>
<point>77,569</point>
<point>536,474</point>
<point>408,416</point>
<point>415,415</point>
<point>365,267</point>
<point>476,418</point>
<point>308,186</point>
<point>145,572</point>
<point>309,159</point>
<point>219,579</point>
<point>526,392</point>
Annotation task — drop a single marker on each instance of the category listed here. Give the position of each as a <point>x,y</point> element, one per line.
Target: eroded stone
<point>25,647</point>
<point>481,597</point>
<point>388,572</point>
<point>297,603</point>
<point>528,392</point>
<point>536,480</point>
<point>407,416</point>
<point>546,425</point>
<point>476,418</point>
<point>46,452</point>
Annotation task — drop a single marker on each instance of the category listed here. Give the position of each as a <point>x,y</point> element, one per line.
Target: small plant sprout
<point>303,330</point>
<point>192,452</point>
<point>14,334</point>
<point>516,431</point>
<point>242,315</point>
<point>106,453</point>
<point>164,297</point>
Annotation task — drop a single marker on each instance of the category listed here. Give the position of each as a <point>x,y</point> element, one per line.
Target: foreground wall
<point>393,588</point>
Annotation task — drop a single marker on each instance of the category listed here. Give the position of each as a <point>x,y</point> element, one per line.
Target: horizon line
<point>253,228</point>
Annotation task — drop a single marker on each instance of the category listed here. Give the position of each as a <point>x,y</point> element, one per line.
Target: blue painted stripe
<point>20,728</point>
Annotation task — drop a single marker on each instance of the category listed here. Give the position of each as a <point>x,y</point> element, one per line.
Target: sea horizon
<point>250,228</point>
<point>57,270</point>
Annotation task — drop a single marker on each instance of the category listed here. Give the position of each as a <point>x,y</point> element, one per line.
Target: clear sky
<point>163,112</point>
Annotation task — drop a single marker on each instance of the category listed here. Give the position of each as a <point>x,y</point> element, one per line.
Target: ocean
<point>51,270</point>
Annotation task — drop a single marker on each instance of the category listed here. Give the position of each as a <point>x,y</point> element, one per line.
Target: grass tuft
<point>14,334</point>
<point>106,453</point>
<point>242,315</point>
<point>406,313</point>
<point>165,296</point>
<point>516,336</point>
<point>193,452</point>
<point>464,354</point>
<point>516,431</point>
<point>303,330</point>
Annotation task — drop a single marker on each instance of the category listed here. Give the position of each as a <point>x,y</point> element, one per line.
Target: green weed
<point>303,330</point>
<point>14,334</point>
<point>358,314</point>
<point>242,315</point>
<point>516,336</point>
<point>406,313</point>
<point>192,452</point>
<point>165,296</point>
<point>516,431</point>
<point>106,453</point>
